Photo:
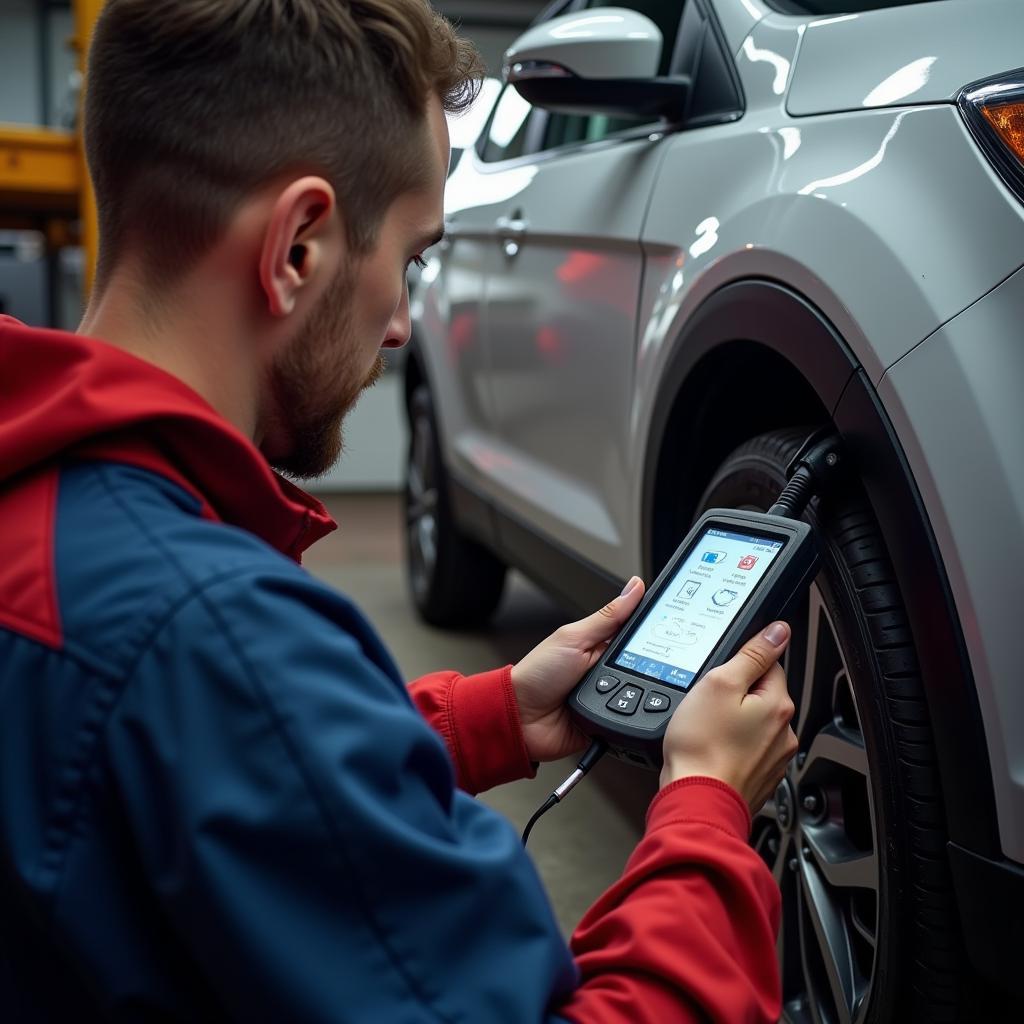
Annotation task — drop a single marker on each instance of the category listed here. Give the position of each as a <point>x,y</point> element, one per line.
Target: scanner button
<point>626,700</point>
<point>657,702</point>
<point>606,684</point>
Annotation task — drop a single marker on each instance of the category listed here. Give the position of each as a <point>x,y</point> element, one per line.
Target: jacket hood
<point>65,395</point>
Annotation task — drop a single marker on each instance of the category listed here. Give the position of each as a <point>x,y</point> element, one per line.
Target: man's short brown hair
<point>191,105</point>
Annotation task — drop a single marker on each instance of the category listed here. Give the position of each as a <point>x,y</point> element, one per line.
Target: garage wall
<point>38,82</point>
<point>20,91</point>
<point>35,89</point>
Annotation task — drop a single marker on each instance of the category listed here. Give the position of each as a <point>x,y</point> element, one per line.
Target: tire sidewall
<point>755,482</point>
<point>421,410</point>
<point>467,579</point>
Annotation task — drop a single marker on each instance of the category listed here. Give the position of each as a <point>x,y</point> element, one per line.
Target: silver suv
<point>692,232</point>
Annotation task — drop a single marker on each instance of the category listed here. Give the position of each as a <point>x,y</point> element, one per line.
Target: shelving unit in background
<point>44,185</point>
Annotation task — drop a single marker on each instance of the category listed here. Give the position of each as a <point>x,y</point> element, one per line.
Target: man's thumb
<point>604,624</point>
<point>759,653</point>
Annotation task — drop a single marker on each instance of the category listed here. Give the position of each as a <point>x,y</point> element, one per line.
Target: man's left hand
<point>544,678</point>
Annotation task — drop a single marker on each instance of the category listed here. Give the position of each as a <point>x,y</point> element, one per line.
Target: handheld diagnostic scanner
<point>734,573</point>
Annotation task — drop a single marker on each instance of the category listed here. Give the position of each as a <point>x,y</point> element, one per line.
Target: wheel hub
<point>813,806</point>
<point>785,806</point>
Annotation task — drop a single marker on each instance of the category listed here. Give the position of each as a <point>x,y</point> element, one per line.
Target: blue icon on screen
<point>714,557</point>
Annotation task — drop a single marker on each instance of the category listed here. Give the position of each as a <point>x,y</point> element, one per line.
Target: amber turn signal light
<point>994,113</point>
<point>1008,121</point>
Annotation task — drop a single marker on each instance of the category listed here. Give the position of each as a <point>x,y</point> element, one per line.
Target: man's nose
<point>400,328</point>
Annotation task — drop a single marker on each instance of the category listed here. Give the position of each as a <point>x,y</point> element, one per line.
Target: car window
<point>515,128</point>
<point>838,6</point>
<point>565,129</point>
<point>508,130</point>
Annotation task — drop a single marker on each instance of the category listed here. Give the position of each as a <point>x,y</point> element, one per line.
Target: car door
<point>452,317</point>
<point>562,285</point>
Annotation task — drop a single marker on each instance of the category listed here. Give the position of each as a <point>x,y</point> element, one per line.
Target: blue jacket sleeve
<point>299,825</point>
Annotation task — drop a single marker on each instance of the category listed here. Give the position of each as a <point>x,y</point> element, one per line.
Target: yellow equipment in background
<point>44,185</point>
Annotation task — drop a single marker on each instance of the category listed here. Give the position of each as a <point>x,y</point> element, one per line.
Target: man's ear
<point>297,245</point>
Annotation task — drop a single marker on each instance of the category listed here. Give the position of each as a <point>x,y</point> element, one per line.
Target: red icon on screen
<point>748,561</point>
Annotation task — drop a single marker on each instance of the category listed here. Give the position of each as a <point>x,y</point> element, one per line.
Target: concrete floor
<point>580,846</point>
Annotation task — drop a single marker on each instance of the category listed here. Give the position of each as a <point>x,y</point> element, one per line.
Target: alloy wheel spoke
<point>414,480</point>
<point>806,951</point>
<point>833,945</point>
<point>780,863</point>
<point>830,939</point>
<point>421,491</point>
<point>796,1009</point>
<point>788,946</point>
<point>421,446</point>
<point>841,683</point>
<point>862,928</point>
<point>837,746</point>
<point>815,707</point>
<point>427,542</point>
<point>840,863</point>
<point>794,660</point>
<point>422,505</point>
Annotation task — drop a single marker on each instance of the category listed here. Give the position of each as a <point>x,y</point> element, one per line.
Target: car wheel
<point>854,835</point>
<point>454,581</point>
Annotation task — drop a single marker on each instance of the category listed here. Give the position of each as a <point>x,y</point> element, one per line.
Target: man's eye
<point>418,261</point>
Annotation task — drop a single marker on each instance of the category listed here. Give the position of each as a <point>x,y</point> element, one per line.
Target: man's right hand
<point>734,726</point>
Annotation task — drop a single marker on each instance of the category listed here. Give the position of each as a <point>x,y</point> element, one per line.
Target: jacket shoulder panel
<point>130,546</point>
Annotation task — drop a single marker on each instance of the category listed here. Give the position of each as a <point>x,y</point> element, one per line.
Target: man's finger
<point>605,623</point>
<point>758,655</point>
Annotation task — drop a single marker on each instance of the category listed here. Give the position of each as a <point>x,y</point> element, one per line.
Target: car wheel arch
<point>783,341</point>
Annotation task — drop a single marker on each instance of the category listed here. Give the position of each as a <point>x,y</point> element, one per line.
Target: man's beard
<point>315,382</point>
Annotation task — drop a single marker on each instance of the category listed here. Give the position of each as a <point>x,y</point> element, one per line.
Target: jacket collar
<point>65,395</point>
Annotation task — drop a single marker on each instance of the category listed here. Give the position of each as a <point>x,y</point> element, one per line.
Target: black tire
<point>455,583</point>
<point>833,832</point>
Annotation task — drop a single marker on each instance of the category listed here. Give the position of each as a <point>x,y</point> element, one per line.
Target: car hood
<point>923,53</point>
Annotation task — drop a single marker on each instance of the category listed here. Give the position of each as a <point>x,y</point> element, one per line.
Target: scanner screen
<point>684,625</point>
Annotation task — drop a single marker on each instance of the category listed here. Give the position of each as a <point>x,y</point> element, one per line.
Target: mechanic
<point>219,799</point>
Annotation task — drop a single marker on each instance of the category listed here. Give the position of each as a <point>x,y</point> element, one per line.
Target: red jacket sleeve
<point>478,718</point>
<point>688,932</point>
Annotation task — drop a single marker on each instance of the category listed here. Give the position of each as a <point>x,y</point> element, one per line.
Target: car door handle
<point>511,230</point>
<point>511,227</point>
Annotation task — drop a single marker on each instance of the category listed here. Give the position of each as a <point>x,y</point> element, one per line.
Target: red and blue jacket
<point>220,801</point>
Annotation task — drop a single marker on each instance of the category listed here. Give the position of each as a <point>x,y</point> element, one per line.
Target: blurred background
<point>44,215</point>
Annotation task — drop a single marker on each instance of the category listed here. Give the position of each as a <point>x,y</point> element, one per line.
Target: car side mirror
<point>600,61</point>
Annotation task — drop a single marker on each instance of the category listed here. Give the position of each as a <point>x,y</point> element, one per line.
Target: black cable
<point>795,495</point>
<point>593,754</point>
<point>814,469</point>
<point>544,807</point>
